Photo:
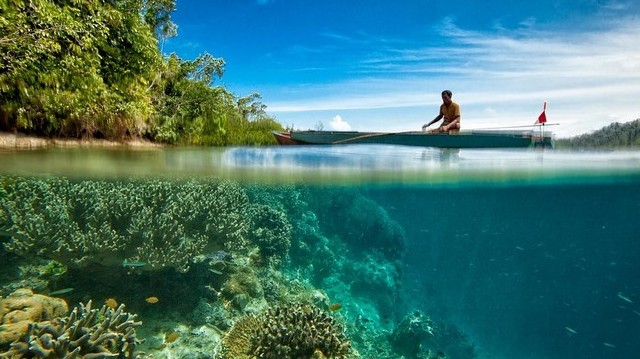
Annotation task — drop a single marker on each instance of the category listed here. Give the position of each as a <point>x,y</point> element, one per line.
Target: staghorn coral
<point>288,331</point>
<point>159,223</point>
<point>86,333</point>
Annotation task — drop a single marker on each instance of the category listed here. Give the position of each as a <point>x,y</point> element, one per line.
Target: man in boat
<point>450,111</point>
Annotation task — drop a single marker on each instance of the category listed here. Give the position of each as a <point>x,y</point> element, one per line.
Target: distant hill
<point>613,136</point>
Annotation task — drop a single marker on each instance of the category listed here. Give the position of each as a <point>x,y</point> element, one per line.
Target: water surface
<point>531,253</point>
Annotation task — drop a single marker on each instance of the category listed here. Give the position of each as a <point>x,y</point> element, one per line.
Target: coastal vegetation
<point>95,69</point>
<point>615,135</point>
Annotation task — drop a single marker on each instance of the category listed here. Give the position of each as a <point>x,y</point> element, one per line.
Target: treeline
<point>614,135</point>
<point>93,68</point>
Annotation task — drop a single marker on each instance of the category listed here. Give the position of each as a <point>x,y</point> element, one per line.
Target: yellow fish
<point>111,303</point>
<point>335,306</point>
<point>152,300</point>
<point>171,337</point>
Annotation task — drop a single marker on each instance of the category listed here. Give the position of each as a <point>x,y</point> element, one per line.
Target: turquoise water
<point>511,253</point>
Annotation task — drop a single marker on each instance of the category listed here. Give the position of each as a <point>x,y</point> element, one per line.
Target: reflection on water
<point>352,163</point>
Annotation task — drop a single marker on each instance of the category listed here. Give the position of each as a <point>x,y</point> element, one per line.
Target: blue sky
<point>381,65</point>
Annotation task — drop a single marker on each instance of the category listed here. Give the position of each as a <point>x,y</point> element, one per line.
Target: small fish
<point>171,337</point>
<point>335,306</point>
<point>219,256</point>
<point>126,263</point>
<point>571,330</point>
<point>61,291</point>
<point>152,300</point>
<point>520,248</point>
<point>609,345</point>
<point>626,299</point>
<point>111,303</point>
<point>215,271</point>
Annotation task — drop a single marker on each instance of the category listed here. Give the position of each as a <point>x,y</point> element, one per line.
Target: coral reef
<point>86,333</point>
<point>242,286</point>
<point>271,231</point>
<point>23,308</point>
<point>411,333</point>
<point>152,223</point>
<point>362,223</point>
<point>288,331</point>
<point>375,278</point>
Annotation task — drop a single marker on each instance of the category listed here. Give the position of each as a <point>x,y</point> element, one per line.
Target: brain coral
<point>290,331</point>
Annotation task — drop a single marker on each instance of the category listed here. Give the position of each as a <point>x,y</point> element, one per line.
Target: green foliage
<point>612,136</point>
<point>75,68</point>
<point>93,68</point>
<point>191,112</point>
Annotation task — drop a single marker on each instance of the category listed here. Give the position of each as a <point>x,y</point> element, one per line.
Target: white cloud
<point>589,79</point>
<point>338,124</point>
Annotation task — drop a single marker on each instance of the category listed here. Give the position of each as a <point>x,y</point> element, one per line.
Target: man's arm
<point>438,118</point>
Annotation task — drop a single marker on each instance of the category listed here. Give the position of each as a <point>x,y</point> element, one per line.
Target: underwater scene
<point>359,251</point>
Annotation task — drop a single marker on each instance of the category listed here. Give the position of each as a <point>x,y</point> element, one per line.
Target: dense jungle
<point>86,69</point>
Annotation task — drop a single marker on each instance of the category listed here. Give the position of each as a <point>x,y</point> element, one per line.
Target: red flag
<point>543,117</point>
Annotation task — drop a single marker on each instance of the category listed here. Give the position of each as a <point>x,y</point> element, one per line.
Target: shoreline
<point>18,141</point>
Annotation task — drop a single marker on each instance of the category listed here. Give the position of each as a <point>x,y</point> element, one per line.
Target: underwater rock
<point>23,308</point>
<point>414,329</point>
<point>362,223</point>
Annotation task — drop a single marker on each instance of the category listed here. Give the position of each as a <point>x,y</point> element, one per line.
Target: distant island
<point>615,135</point>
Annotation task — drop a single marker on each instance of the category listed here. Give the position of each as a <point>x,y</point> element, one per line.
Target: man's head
<point>446,97</point>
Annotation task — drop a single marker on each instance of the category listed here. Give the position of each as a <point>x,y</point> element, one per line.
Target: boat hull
<point>463,139</point>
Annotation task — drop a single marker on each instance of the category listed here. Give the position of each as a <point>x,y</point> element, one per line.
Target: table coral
<point>154,223</point>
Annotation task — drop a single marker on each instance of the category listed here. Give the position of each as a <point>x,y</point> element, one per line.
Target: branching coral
<point>158,223</point>
<point>287,331</point>
<point>271,231</point>
<point>86,333</point>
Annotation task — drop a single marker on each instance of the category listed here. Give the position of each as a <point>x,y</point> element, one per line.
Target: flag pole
<point>544,110</point>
